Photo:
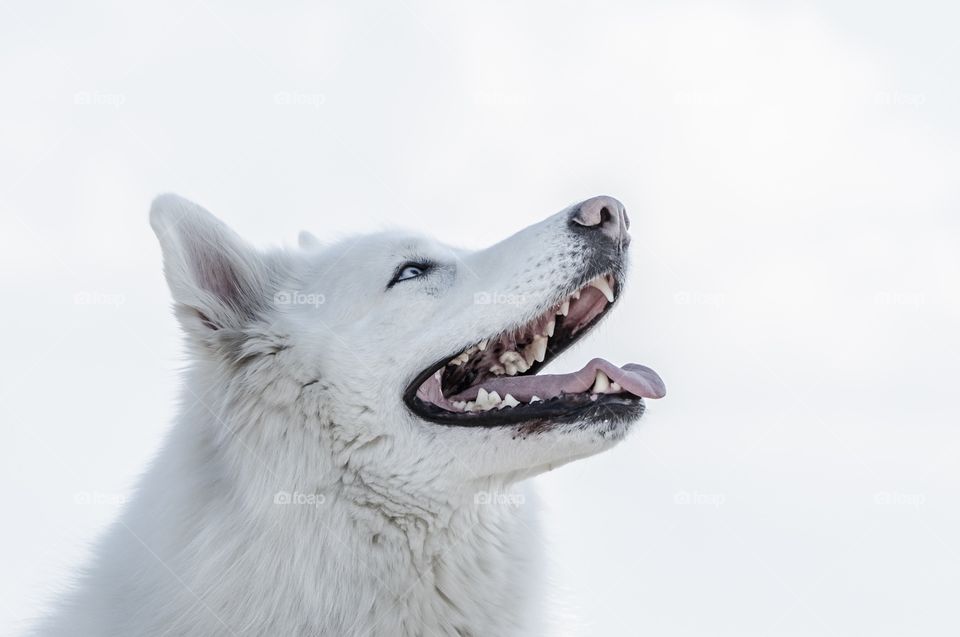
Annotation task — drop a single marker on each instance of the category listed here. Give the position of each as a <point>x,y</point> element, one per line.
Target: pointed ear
<point>308,241</point>
<point>217,280</point>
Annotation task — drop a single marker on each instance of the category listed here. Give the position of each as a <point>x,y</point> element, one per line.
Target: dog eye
<point>408,271</point>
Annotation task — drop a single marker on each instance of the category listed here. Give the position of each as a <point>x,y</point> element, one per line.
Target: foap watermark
<point>891,297</point>
<point>299,98</point>
<point>292,297</point>
<point>694,297</point>
<point>96,98</point>
<point>712,98</point>
<point>100,498</point>
<point>98,298</point>
<point>899,499</point>
<point>899,98</point>
<point>497,298</point>
<point>498,498</point>
<point>695,498</point>
<point>300,499</point>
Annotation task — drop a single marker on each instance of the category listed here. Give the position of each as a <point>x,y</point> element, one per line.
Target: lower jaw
<point>607,408</point>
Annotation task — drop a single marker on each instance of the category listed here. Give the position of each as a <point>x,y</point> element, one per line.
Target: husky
<point>356,425</point>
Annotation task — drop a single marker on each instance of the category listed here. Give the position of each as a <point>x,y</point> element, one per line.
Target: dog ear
<point>308,241</point>
<point>217,280</point>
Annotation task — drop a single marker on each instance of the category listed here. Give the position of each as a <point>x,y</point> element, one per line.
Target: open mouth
<point>495,381</point>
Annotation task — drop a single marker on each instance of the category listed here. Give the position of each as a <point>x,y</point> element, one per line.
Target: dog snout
<point>602,217</point>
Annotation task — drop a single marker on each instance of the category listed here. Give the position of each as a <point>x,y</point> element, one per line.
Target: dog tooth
<point>536,399</point>
<point>511,356</point>
<point>564,308</point>
<point>551,326</point>
<point>482,396</point>
<point>488,401</point>
<point>482,345</point>
<point>540,348</point>
<point>529,354</point>
<point>601,284</point>
<point>601,384</point>
<point>509,401</point>
<point>513,362</point>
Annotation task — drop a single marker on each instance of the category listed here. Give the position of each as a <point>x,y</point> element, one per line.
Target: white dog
<point>354,425</point>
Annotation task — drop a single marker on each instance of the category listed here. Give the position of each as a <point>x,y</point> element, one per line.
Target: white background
<point>791,175</point>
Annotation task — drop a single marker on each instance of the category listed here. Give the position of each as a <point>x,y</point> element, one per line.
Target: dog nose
<point>605,214</point>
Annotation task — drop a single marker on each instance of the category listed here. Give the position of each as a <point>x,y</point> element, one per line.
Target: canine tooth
<point>551,326</point>
<point>564,308</point>
<point>540,348</point>
<point>601,284</point>
<point>509,401</point>
<point>497,369</point>
<point>601,384</point>
<point>482,345</point>
<point>536,399</point>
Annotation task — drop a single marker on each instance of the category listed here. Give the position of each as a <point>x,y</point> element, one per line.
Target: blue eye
<point>409,271</point>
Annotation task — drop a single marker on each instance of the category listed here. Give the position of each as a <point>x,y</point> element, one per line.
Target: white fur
<point>391,530</point>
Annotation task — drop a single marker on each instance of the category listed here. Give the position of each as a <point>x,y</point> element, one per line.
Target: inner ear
<point>211,271</point>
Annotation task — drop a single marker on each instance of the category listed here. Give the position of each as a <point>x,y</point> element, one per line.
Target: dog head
<point>395,354</point>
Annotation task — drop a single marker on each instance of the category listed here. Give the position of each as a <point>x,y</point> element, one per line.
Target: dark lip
<point>561,410</point>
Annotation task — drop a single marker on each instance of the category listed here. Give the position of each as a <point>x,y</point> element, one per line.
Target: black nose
<point>605,215</point>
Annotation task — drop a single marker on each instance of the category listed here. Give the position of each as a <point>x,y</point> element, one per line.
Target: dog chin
<point>526,449</point>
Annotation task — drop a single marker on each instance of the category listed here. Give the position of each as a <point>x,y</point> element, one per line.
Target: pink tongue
<point>634,379</point>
